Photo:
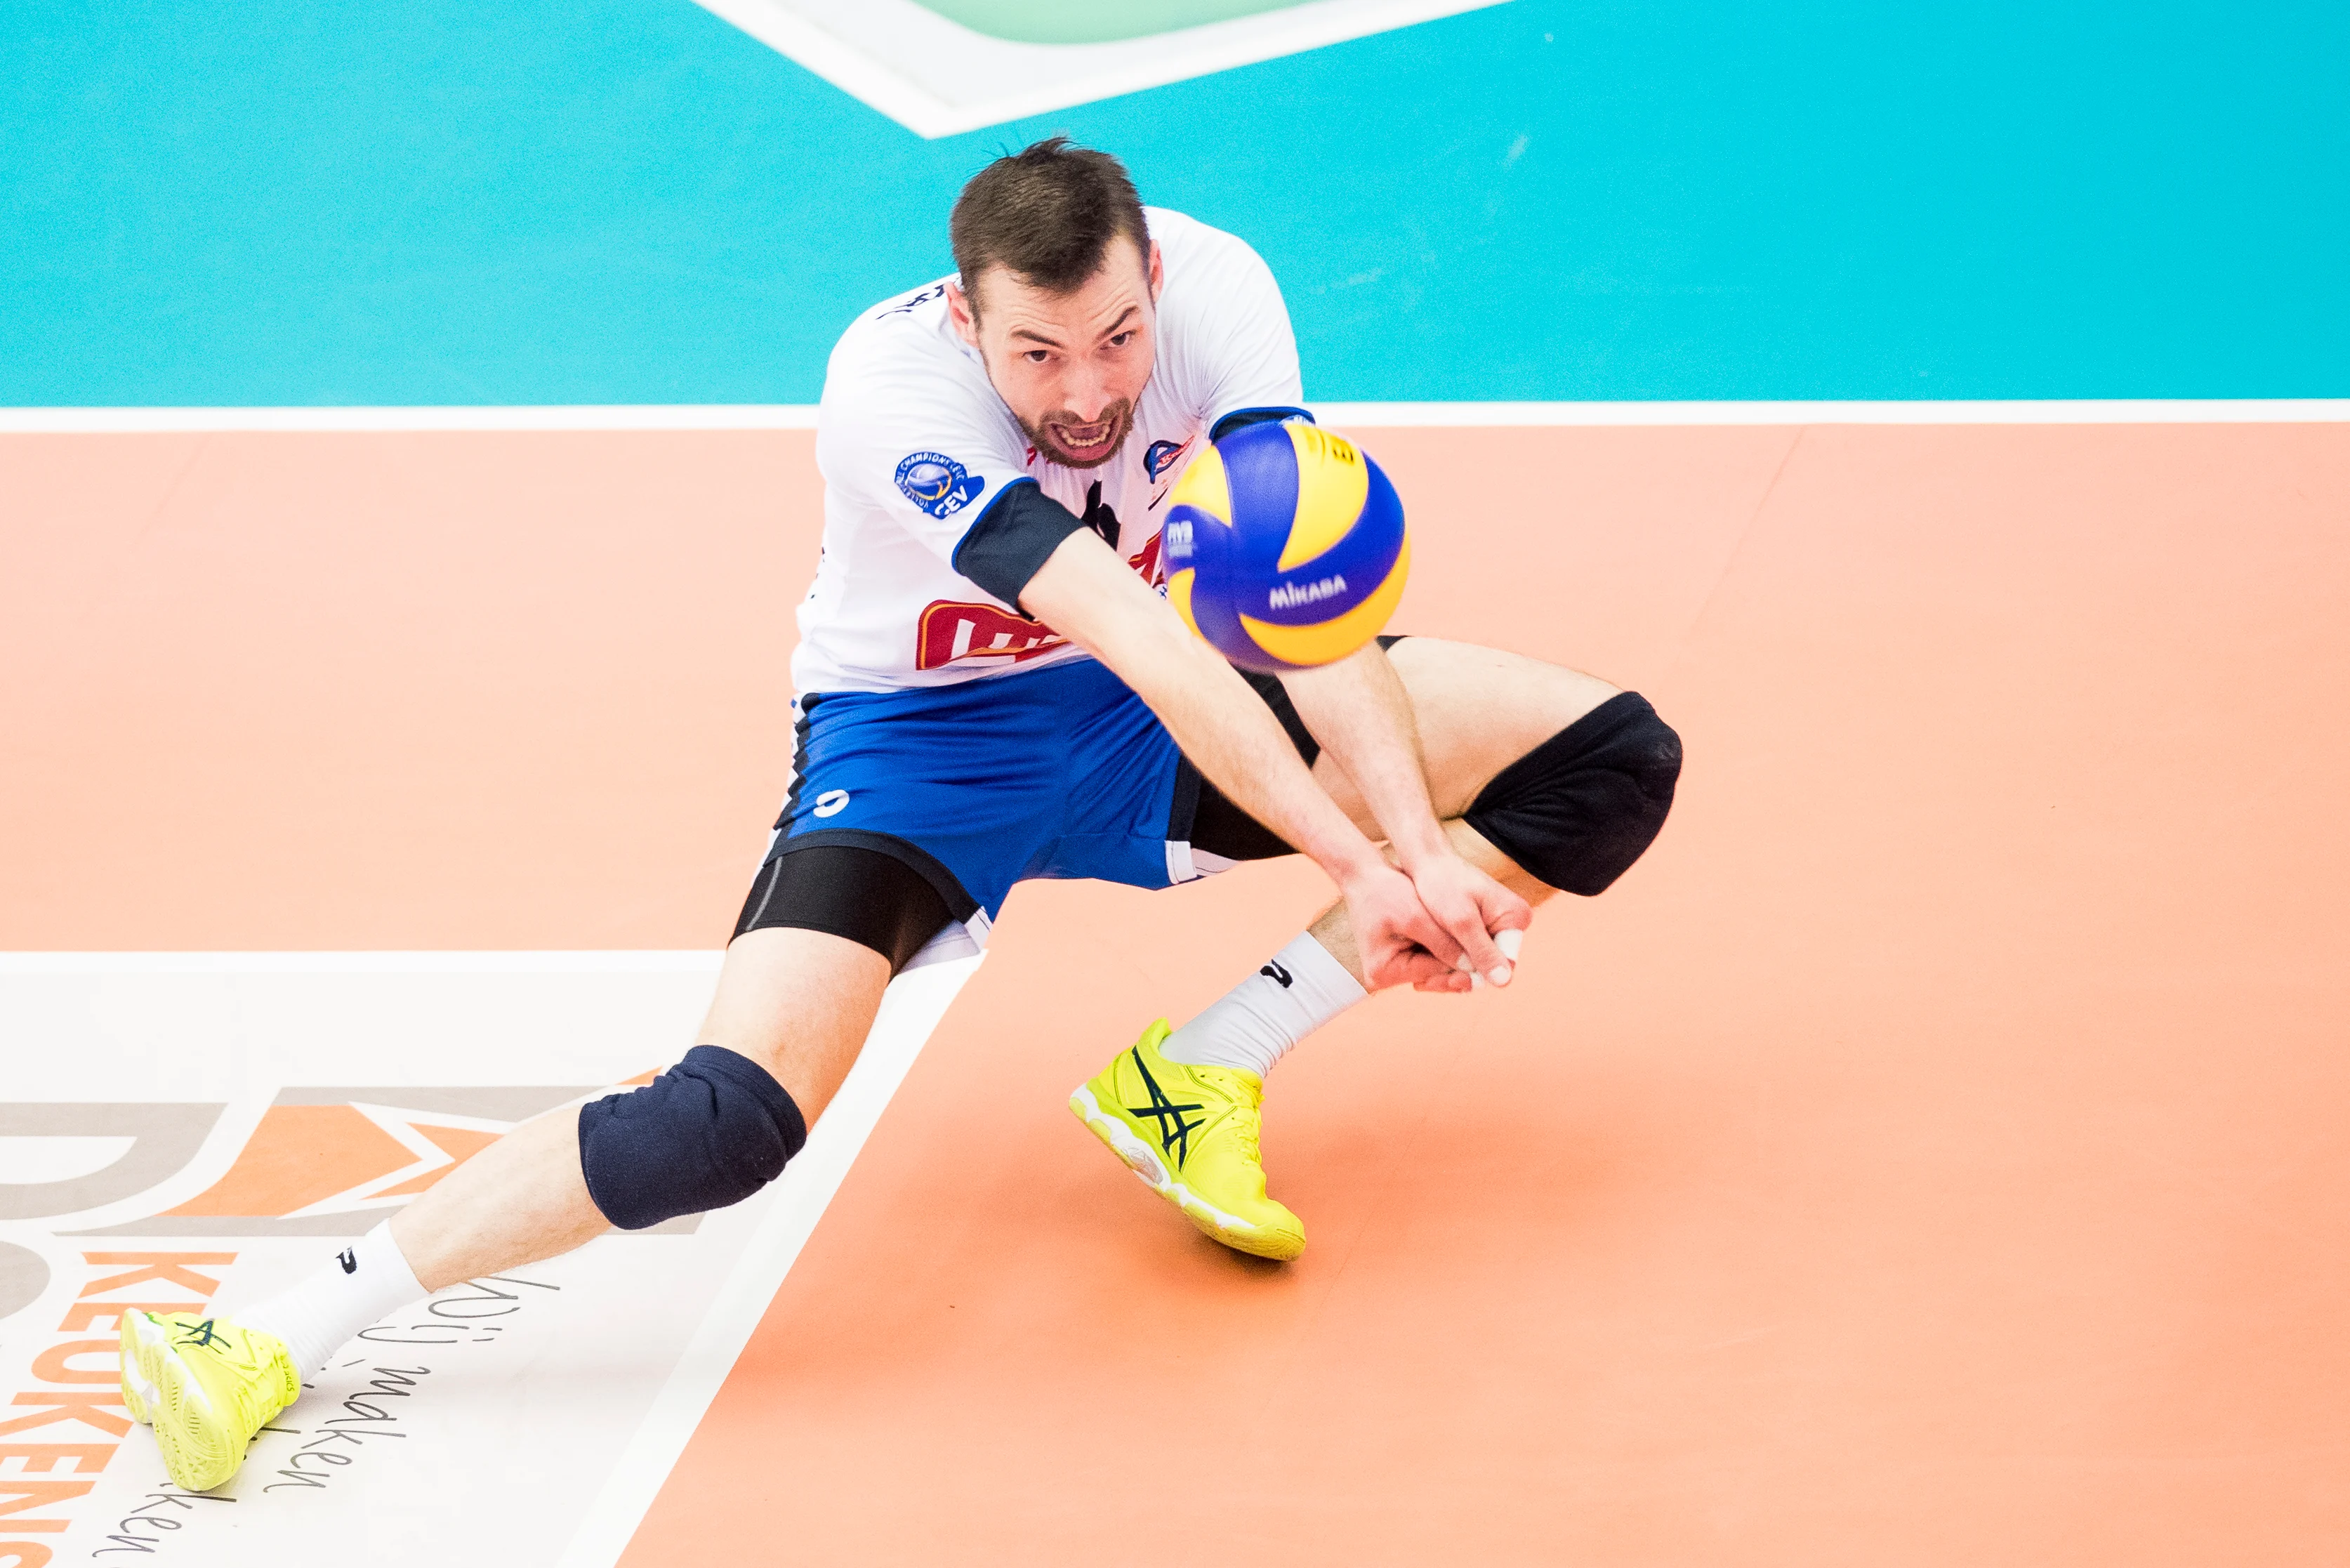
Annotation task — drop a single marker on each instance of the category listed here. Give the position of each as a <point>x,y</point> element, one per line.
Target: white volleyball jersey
<point>914,445</point>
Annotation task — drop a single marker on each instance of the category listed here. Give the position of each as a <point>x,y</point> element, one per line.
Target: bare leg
<point>798,1002</point>
<point>1477,710</point>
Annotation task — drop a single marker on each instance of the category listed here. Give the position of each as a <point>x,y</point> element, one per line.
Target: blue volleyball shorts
<point>1061,772</point>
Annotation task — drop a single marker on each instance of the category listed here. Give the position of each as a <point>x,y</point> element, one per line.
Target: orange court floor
<point>1933,1152</point>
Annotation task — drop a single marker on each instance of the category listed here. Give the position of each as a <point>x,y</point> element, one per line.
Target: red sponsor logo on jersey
<point>1147,562</point>
<point>952,633</point>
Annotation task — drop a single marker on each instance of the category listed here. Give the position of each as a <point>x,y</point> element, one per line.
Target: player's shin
<point>706,1133</point>
<point>1258,1021</point>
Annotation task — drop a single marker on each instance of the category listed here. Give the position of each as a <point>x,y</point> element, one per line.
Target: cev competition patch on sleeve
<point>937,484</point>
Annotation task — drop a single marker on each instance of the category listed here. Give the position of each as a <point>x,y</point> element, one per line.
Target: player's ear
<point>959,312</point>
<point>1157,273</point>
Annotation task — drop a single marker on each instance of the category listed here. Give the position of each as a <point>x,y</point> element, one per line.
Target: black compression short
<point>888,895</point>
<point>1219,827</point>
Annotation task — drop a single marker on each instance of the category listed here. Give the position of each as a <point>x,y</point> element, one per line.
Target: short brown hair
<point>1047,214</point>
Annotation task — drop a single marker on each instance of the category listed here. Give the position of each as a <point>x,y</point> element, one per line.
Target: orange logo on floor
<point>333,1162</point>
<point>303,1158</point>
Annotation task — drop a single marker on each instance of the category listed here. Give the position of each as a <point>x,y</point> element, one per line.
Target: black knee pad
<point>1578,809</point>
<point>709,1132</point>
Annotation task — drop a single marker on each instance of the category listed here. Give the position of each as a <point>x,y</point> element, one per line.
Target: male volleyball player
<point>993,688</point>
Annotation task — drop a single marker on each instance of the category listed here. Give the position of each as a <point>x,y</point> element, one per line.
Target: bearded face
<point>1074,442</point>
<point>1070,366</point>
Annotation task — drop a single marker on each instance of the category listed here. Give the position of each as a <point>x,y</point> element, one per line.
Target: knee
<point>708,1133</point>
<point>1580,808</point>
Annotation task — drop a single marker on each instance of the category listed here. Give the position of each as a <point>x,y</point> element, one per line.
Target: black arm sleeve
<point>1240,418</point>
<point>1020,527</point>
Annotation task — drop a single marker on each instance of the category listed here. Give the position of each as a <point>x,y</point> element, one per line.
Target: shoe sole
<point>1143,1160</point>
<point>196,1450</point>
<point>138,1395</point>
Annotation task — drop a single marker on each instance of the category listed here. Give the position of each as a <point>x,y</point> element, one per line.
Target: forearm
<point>1233,739</point>
<point>1359,709</point>
<point>1087,596</point>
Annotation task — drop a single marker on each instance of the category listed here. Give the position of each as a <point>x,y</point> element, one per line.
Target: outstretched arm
<point>1356,707</point>
<point>1086,593</point>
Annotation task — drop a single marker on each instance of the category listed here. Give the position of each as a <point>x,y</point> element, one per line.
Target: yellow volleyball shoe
<point>206,1386</point>
<point>1190,1133</point>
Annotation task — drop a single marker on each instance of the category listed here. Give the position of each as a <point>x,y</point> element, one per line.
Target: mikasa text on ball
<point>1284,547</point>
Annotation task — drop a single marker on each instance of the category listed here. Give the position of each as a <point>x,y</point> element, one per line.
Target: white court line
<point>1364,416</point>
<point>909,1010</point>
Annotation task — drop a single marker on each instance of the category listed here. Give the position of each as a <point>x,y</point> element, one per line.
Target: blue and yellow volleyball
<point>1284,547</point>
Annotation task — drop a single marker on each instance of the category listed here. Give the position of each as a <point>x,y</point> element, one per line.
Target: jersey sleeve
<point>1231,328</point>
<point>938,458</point>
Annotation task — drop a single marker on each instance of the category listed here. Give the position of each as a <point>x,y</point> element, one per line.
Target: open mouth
<point>1083,441</point>
<point>1083,444</point>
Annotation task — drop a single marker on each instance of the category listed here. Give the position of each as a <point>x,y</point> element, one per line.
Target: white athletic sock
<point>318,1316</point>
<point>1260,1019</point>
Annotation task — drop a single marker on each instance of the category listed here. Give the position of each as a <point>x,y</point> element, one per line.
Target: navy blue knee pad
<point>709,1132</point>
<point>1578,809</point>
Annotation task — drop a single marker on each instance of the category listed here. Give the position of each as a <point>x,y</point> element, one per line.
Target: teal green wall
<point>628,201</point>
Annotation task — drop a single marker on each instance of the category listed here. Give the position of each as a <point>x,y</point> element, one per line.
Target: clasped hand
<point>1420,922</point>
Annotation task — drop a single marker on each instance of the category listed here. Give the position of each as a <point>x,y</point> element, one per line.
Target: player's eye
<point>1036,355</point>
<point>1122,339</point>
